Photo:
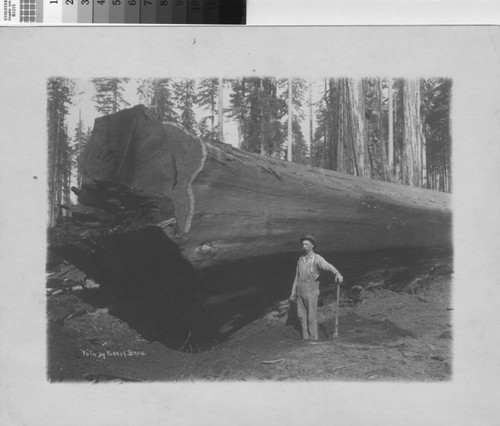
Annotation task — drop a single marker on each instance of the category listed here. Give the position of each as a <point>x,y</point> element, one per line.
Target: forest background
<point>390,129</point>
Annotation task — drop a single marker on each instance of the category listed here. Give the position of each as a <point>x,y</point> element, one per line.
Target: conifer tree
<point>436,98</point>
<point>60,92</point>
<point>185,100</point>
<point>259,111</point>
<point>80,139</point>
<point>208,99</point>
<point>108,96</point>
<point>157,95</point>
<point>238,109</point>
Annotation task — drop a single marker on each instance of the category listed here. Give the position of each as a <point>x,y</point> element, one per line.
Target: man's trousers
<point>307,306</point>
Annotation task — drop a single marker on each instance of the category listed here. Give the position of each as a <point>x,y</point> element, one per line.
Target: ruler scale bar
<point>164,12</point>
<point>70,11</point>
<point>85,8</point>
<point>181,12</point>
<point>101,11</point>
<point>132,11</point>
<point>39,11</point>
<point>148,11</point>
<point>28,11</point>
<point>52,11</point>
<point>117,12</point>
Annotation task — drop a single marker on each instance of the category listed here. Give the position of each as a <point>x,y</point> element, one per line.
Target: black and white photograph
<point>195,223</point>
<point>254,224</point>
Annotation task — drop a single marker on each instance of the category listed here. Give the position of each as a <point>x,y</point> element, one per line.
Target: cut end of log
<point>132,148</point>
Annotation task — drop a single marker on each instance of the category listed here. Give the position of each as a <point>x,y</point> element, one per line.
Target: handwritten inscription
<point>109,354</point>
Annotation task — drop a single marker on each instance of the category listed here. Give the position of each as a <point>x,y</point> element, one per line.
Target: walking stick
<point>336,333</point>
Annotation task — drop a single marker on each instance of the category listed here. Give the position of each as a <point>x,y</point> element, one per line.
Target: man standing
<point>305,287</point>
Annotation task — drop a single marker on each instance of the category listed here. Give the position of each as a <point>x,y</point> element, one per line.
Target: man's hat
<point>310,238</point>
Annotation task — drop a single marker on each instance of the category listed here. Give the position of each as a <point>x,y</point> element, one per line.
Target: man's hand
<point>339,278</point>
<point>292,297</point>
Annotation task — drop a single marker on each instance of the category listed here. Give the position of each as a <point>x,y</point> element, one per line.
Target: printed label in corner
<point>11,12</point>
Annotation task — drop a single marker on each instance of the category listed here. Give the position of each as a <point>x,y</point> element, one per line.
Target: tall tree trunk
<point>79,150</point>
<point>115,100</point>
<point>56,177</point>
<point>326,128</point>
<point>421,141</point>
<point>59,160</point>
<point>261,101</point>
<point>51,159</point>
<point>221,110</point>
<point>213,108</point>
<point>359,130</point>
<point>449,187</point>
<point>423,144</point>
<point>290,118</point>
<point>412,148</point>
<point>240,135</point>
<point>331,107</point>
<point>352,147</point>
<point>398,126</point>
<point>333,123</point>
<point>343,149</point>
<point>425,183</point>
<point>382,149</point>
<point>311,130</point>
<point>156,91</point>
<point>357,117</point>
<point>447,165</point>
<point>66,169</point>
<point>390,141</point>
<point>59,172</point>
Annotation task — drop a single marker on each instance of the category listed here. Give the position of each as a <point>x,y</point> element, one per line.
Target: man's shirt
<point>308,267</point>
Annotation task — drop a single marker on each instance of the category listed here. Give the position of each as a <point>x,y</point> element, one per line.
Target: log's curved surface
<point>205,226</point>
<point>231,205</point>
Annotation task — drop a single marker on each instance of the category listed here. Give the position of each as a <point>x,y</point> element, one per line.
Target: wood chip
<point>342,366</point>
<point>273,361</point>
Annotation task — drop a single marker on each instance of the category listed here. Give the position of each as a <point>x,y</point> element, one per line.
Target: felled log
<point>228,204</point>
<point>160,208</point>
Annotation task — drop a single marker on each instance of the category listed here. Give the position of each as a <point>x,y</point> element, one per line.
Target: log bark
<point>158,205</point>
<point>229,205</point>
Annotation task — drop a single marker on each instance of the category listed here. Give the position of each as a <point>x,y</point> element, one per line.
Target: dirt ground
<point>383,336</point>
